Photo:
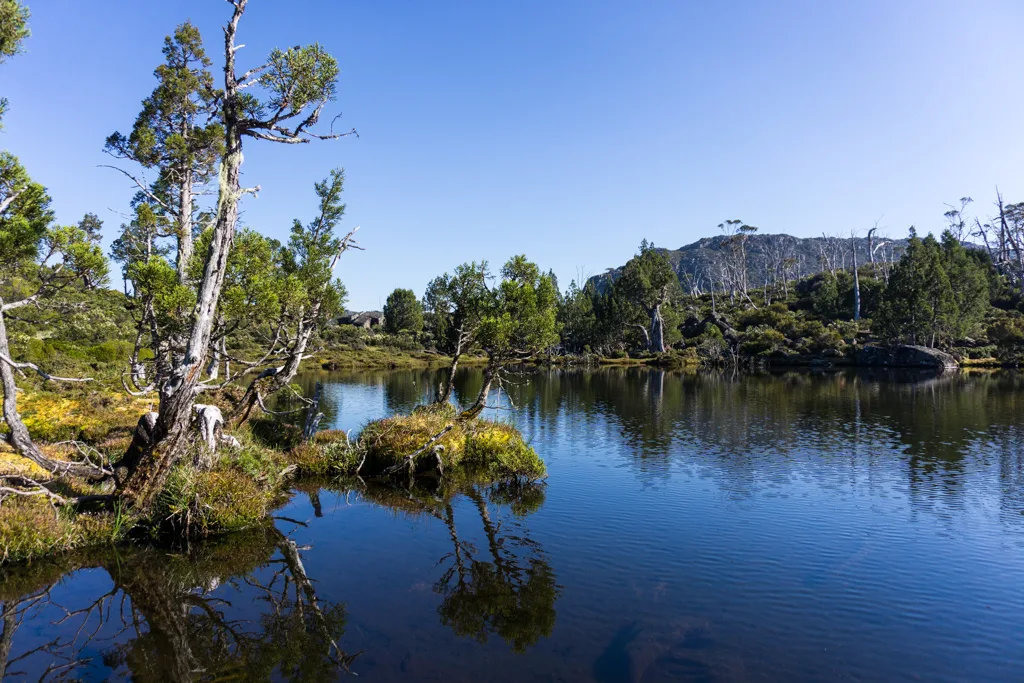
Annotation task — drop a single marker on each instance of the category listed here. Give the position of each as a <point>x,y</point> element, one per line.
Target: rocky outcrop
<point>906,357</point>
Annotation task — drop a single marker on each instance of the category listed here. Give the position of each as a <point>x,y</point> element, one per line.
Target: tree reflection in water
<point>508,590</point>
<point>244,608</point>
<point>171,617</point>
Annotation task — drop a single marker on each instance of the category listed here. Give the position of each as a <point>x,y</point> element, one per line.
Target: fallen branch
<point>32,366</point>
<point>33,488</point>
<point>410,460</point>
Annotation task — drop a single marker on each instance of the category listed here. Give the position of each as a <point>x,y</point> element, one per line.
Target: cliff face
<point>766,254</point>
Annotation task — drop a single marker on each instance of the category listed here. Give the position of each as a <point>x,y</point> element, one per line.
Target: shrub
<point>777,316</point>
<point>761,341</point>
<point>495,448</point>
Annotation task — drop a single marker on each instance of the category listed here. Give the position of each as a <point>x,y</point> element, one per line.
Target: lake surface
<point>799,527</point>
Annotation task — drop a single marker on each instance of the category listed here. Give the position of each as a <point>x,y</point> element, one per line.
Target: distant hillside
<point>702,261</point>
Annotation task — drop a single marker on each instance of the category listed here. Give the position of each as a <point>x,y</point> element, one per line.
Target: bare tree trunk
<point>169,443</point>
<point>185,208</point>
<point>446,392</point>
<point>490,372</point>
<point>871,250</point>
<point>856,283</point>
<point>18,436</point>
<point>656,339</point>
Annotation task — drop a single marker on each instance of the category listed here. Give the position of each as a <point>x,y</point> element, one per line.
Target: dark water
<point>695,528</point>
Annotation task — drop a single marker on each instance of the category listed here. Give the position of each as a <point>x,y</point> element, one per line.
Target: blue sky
<point>567,130</point>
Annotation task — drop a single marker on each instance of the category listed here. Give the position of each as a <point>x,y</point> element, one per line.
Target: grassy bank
<point>247,483</point>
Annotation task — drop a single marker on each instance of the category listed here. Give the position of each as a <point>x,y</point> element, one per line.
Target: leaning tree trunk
<point>446,392</point>
<point>152,462</point>
<point>278,377</point>
<point>490,372</point>
<point>18,435</point>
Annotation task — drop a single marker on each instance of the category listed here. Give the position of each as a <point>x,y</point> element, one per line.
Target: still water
<point>801,527</point>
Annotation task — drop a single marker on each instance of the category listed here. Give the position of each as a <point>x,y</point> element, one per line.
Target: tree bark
<point>169,441</point>
<point>446,392</point>
<point>490,372</point>
<point>185,208</point>
<point>18,435</point>
<point>656,339</point>
<point>856,283</point>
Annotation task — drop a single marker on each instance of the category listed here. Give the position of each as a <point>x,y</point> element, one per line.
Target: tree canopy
<point>403,312</point>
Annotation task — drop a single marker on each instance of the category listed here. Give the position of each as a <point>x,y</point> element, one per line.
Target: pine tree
<point>918,303</point>
<point>969,283</point>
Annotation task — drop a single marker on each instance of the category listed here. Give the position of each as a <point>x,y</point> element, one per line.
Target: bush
<point>777,316</point>
<point>761,341</point>
<point>500,451</point>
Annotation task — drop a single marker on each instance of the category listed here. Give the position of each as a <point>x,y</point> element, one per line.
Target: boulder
<point>906,357</point>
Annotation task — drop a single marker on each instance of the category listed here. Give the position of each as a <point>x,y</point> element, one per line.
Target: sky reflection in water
<point>697,527</point>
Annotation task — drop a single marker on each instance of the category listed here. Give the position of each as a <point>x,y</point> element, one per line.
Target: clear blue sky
<point>567,130</point>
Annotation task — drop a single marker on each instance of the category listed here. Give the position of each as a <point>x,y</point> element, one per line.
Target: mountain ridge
<point>699,263</point>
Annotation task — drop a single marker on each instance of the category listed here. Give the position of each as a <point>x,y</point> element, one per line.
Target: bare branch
<point>32,366</point>
<point>143,187</point>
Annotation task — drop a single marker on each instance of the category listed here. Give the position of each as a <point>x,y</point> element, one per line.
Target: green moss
<point>204,503</point>
<point>329,454</point>
<point>30,527</point>
<point>500,450</point>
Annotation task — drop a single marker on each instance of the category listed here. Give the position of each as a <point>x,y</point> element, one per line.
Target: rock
<point>906,357</point>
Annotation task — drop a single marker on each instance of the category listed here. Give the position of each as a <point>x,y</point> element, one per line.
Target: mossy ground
<point>246,484</point>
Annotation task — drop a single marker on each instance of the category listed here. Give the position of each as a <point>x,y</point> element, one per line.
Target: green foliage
<point>648,287</point>
<point>577,318</point>
<point>520,315</point>
<point>30,527</point>
<point>492,449</point>
<point>24,223</point>
<point>176,131</point>
<point>298,77</point>
<point>936,293</point>
<point>761,340</point>
<point>969,281</point>
<point>503,453</point>
<point>13,28</point>
<point>403,312</point>
<point>13,32</point>
<point>454,305</point>
<point>777,316</point>
<point>825,297</point>
<point>197,503</point>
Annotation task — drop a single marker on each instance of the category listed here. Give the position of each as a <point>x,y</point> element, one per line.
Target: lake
<point>708,527</point>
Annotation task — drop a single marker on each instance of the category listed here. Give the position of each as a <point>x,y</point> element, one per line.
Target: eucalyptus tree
<point>38,260</point>
<point>734,246</point>
<point>278,101</point>
<point>649,283</point>
<point>455,305</point>
<point>519,319</point>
